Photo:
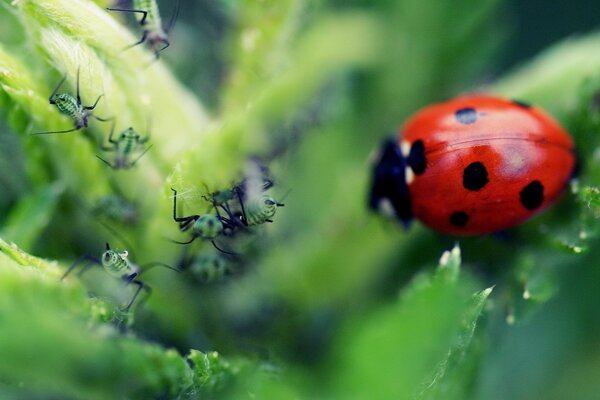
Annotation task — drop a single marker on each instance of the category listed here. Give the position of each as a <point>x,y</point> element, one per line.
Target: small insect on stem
<point>205,226</point>
<point>149,19</point>
<point>116,209</point>
<point>210,266</point>
<point>248,207</point>
<point>117,264</point>
<point>124,147</point>
<point>73,108</point>
<point>258,210</point>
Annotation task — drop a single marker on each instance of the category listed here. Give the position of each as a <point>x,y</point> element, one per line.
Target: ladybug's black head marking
<point>389,182</point>
<point>459,218</point>
<point>475,176</point>
<point>532,195</point>
<point>466,116</point>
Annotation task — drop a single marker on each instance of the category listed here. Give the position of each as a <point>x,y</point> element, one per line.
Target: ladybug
<point>473,165</point>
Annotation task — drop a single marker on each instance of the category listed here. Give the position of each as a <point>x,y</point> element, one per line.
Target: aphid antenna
<point>56,89</point>
<point>119,236</point>
<point>148,266</point>
<point>174,16</point>
<point>77,86</point>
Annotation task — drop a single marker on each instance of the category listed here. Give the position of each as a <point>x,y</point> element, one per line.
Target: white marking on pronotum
<point>409,175</point>
<point>405,148</point>
<point>385,208</point>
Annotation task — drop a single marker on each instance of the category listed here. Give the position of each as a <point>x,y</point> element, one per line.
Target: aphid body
<point>261,209</point>
<point>205,226</point>
<point>128,142</point>
<point>151,23</point>
<point>210,266</point>
<point>69,106</point>
<point>73,108</point>
<point>117,264</point>
<point>116,209</point>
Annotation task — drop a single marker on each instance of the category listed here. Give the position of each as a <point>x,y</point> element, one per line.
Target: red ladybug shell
<point>481,164</point>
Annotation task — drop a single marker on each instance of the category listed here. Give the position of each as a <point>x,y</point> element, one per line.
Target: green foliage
<point>328,301</point>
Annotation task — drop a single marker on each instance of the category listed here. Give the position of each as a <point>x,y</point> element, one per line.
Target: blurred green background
<point>329,301</point>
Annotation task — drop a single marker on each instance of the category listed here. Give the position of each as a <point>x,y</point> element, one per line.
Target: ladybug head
<point>389,190</point>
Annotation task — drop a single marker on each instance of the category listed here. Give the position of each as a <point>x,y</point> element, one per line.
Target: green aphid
<point>205,226</point>
<point>251,211</point>
<point>210,266</point>
<point>259,210</point>
<point>244,204</point>
<point>72,108</point>
<point>128,143</point>
<point>116,209</point>
<point>151,23</point>
<point>117,264</point>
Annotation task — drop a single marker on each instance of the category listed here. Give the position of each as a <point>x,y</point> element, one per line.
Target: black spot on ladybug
<point>532,195</point>
<point>521,103</point>
<point>475,176</point>
<point>459,218</point>
<point>466,116</point>
<point>416,157</point>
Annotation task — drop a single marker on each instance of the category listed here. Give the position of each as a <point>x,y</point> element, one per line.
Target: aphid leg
<point>150,265</point>
<point>103,119</point>
<point>244,218</point>
<point>95,103</point>
<point>267,184</point>
<point>181,219</point>
<point>56,89</point>
<point>85,258</point>
<point>141,155</point>
<point>188,242</point>
<point>142,21</point>
<point>110,138</point>
<point>130,279</point>
<point>142,40</point>
<point>185,225</point>
<point>51,132</point>
<point>221,250</point>
<point>105,162</point>
<point>157,53</point>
